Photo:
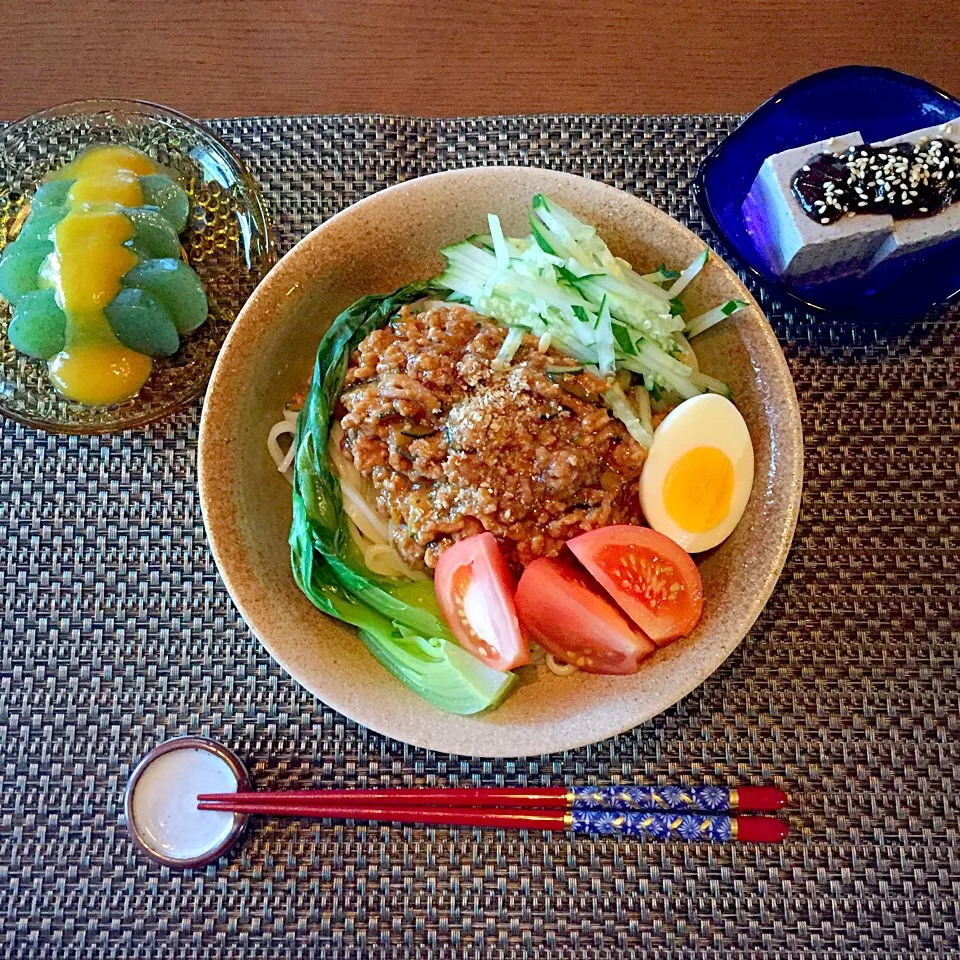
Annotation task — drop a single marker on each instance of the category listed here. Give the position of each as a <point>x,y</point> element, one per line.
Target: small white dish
<point>160,803</point>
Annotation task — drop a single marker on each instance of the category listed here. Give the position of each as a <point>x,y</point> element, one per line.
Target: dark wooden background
<point>448,57</point>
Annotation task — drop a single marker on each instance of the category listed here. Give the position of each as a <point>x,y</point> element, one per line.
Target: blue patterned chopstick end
<point>701,799</point>
<point>656,826</point>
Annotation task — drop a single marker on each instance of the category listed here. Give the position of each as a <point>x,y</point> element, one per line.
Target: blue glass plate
<point>881,104</point>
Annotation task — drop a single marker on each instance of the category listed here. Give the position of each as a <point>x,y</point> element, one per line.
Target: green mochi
<point>152,233</point>
<point>38,227</point>
<point>19,267</point>
<point>38,327</point>
<point>169,197</point>
<point>176,286</point>
<point>51,194</point>
<point>142,323</point>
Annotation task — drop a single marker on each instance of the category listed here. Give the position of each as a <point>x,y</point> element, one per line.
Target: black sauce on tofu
<point>903,180</point>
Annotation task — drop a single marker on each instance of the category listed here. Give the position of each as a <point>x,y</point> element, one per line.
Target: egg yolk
<point>698,489</point>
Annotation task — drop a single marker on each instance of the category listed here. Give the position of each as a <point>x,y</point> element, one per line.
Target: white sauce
<point>164,803</point>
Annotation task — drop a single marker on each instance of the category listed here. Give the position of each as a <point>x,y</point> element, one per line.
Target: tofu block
<point>797,247</point>
<point>910,236</point>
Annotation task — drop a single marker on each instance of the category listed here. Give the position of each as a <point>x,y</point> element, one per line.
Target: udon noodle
<point>369,530</point>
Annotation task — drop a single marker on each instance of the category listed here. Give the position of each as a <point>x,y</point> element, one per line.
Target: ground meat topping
<point>453,447</point>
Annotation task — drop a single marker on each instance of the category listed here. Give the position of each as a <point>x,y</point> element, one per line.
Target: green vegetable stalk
<point>398,621</point>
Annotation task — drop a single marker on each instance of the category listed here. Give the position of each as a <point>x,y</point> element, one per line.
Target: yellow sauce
<point>85,269</point>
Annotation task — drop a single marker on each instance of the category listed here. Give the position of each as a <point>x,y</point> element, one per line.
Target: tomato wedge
<point>654,581</point>
<point>561,608</point>
<point>475,591</point>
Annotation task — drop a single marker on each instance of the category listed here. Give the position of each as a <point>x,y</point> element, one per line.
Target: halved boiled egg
<point>698,476</point>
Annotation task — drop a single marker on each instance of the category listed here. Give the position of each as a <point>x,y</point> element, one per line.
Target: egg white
<point>705,421</point>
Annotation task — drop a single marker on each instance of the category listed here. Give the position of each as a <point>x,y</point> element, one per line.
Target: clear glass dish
<point>880,104</point>
<point>228,242</point>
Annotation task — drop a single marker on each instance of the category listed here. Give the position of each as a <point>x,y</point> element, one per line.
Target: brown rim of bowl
<point>199,388</point>
<point>240,820</point>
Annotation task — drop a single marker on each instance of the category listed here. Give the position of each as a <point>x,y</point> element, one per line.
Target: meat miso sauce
<point>453,446</point>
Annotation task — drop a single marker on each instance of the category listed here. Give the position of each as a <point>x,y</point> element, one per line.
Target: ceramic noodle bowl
<point>376,246</point>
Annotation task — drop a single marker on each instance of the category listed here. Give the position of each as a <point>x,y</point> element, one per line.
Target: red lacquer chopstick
<point>700,799</point>
<point>653,825</point>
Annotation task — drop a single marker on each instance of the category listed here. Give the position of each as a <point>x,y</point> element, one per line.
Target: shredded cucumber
<point>563,285</point>
<point>706,320</point>
<point>643,409</point>
<point>681,283</point>
<point>605,348</point>
<point>510,346</point>
<point>661,275</point>
<point>620,407</point>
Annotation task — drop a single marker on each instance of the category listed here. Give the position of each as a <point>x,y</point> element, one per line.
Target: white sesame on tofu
<point>910,236</point>
<point>796,246</point>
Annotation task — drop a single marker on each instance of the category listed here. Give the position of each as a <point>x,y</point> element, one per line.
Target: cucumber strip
<point>706,320</point>
<point>620,407</point>
<point>461,283</point>
<point>559,242</point>
<point>624,341</point>
<point>540,238</point>
<point>644,287</point>
<point>565,242</point>
<point>711,385</point>
<point>499,243</point>
<point>628,298</point>
<point>466,254</point>
<point>687,354</point>
<point>629,312</point>
<point>680,284</point>
<point>549,293</point>
<point>661,275</point>
<point>509,348</point>
<point>659,359</point>
<point>645,415</point>
<point>574,228</point>
<point>535,255</point>
<point>605,352</point>
<point>680,385</point>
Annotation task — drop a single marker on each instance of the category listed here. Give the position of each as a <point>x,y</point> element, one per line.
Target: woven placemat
<point>117,633</point>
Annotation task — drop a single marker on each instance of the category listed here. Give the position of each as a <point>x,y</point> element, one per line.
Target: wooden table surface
<point>448,57</point>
